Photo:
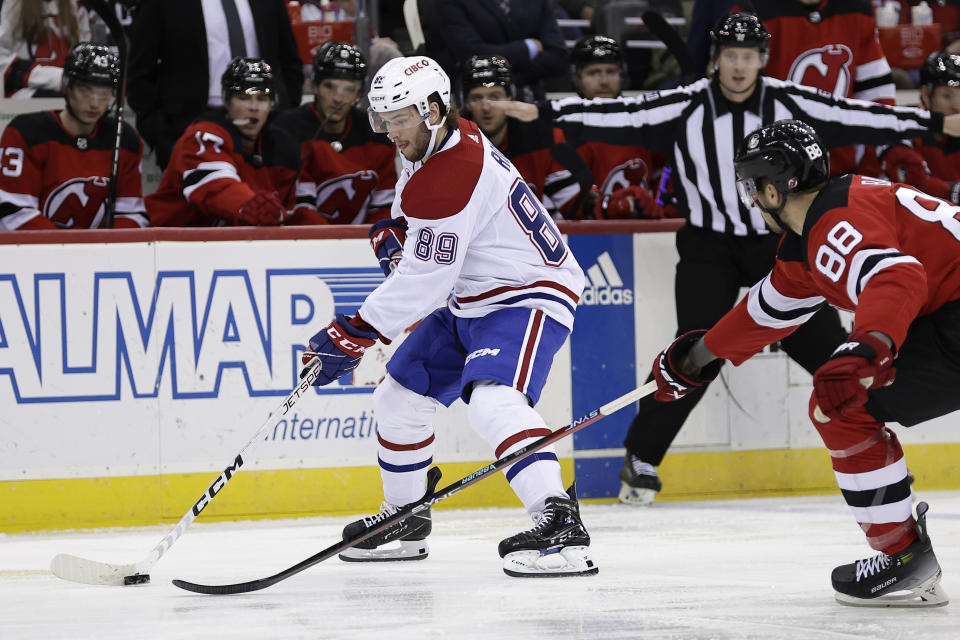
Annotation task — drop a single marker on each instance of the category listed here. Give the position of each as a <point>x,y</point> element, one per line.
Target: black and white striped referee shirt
<point>700,131</point>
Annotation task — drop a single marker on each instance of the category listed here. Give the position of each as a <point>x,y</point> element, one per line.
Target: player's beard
<point>417,148</point>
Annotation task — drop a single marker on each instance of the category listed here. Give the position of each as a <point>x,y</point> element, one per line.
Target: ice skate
<point>909,578</point>
<point>406,540</point>
<point>557,546</point>
<point>639,483</point>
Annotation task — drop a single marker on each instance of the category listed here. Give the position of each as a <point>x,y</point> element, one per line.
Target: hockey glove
<point>386,240</point>
<point>903,164</point>
<point>339,347</point>
<point>672,381</point>
<point>262,209</point>
<point>862,362</point>
<point>628,202</point>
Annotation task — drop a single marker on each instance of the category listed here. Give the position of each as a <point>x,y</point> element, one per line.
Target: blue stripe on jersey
<point>526,296</point>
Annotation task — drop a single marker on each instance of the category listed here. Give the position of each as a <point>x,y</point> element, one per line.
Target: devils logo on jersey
<point>632,172</point>
<point>826,68</point>
<point>77,203</point>
<point>343,197</point>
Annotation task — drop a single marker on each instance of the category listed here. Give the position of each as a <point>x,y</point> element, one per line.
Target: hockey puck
<point>137,578</point>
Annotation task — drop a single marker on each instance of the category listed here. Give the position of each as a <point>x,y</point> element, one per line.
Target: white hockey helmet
<point>406,82</point>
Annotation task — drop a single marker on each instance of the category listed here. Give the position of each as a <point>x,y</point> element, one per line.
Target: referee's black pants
<point>712,269</point>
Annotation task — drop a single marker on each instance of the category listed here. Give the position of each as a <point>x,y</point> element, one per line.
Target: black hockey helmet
<point>92,63</point>
<point>940,68</point>
<point>596,48</point>
<point>340,60</point>
<point>739,30</point>
<point>248,76</point>
<point>788,153</point>
<point>486,71</point>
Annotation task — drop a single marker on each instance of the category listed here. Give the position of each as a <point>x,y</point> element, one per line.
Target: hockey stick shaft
<point>108,14</point>
<point>659,27</point>
<point>92,572</point>
<point>429,499</point>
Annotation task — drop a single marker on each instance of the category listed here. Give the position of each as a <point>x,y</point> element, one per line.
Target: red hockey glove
<point>903,164</point>
<point>672,384</point>
<point>340,346</point>
<point>949,191</point>
<point>628,202</point>
<point>863,362</point>
<point>386,240</point>
<point>262,209</point>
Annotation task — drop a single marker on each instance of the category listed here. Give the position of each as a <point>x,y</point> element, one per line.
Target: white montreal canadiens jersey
<point>476,229</point>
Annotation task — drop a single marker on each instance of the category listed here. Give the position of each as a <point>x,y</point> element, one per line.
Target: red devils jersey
<point>547,163</point>
<point>943,160</point>
<point>210,175</point>
<point>832,46</point>
<point>886,251</point>
<point>618,166</point>
<point>50,178</point>
<point>348,179</point>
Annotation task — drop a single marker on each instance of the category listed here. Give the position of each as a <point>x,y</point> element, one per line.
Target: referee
<point>723,246</point>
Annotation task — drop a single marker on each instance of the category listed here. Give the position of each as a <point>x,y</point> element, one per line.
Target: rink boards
<point>135,365</point>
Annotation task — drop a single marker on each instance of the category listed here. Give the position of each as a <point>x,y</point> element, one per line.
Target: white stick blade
<point>75,569</point>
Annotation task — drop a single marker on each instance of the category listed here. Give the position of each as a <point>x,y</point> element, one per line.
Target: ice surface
<point>712,570</point>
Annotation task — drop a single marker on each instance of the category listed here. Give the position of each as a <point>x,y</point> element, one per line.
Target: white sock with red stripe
<point>505,419</point>
<point>405,439</point>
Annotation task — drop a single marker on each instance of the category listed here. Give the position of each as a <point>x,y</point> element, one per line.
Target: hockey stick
<point>76,569</point>
<point>430,498</point>
<point>659,27</point>
<point>109,16</point>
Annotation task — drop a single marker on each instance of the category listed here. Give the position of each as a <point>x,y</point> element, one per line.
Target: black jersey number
<point>537,224</point>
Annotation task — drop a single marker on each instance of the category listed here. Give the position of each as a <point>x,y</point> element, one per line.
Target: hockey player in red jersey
<point>932,166</point>
<point>349,173</point>
<point>890,254</point>
<point>56,164</point>
<point>830,45</point>
<point>538,150</point>
<point>597,64</point>
<point>464,220</point>
<point>232,166</point>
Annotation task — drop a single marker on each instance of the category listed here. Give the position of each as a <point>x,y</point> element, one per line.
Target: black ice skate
<point>406,540</point>
<point>639,483</point>
<point>909,578</point>
<point>557,546</point>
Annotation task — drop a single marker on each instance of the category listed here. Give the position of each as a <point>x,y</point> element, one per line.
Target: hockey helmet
<point>940,68</point>
<point>739,30</point>
<point>340,60</point>
<point>92,63</point>
<point>487,71</point>
<point>408,82</point>
<point>248,76</point>
<point>596,48</point>
<point>788,153</point>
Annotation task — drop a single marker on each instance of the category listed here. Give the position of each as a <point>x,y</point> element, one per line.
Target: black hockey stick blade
<point>659,27</point>
<point>429,499</point>
<point>433,477</point>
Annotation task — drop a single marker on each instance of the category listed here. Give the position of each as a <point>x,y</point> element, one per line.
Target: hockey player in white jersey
<point>463,221</point>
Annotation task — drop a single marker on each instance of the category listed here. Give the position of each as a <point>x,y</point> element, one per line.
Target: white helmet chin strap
<point>434,129</point>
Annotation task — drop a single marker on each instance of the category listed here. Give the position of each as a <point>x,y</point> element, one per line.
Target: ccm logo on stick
<point>217,484</point>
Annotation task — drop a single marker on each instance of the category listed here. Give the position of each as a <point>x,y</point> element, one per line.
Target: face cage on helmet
<point>380,125</point>
<point>749,192</point>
